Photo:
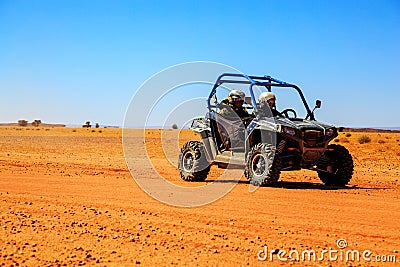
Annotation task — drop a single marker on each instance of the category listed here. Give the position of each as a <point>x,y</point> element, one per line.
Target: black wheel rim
<point>258,164</point>
<point>188,161</point>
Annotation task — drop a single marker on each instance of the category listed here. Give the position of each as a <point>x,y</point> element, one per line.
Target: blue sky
<point>73,61</point>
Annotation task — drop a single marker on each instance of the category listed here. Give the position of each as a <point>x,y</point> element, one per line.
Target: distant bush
<point>364,139</point>
<point>344,140</point>
<point>174,126</point>
<point>348,134</point>
<point>336,140</point>
<point>381,141</point>
<point>22,122</point>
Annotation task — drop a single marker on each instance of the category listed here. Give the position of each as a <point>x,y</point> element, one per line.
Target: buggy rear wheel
<point>192,162</point>
<point>258,164</point>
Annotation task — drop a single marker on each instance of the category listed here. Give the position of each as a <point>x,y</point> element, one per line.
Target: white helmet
<point>265,96</point>
<point>236,94</point>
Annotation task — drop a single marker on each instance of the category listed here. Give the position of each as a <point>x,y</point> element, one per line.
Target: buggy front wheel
<point>263,165</point>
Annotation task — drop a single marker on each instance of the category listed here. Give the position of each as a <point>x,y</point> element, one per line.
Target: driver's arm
<point>276,113</point>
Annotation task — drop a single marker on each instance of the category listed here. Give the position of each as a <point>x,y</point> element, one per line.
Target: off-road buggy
<point>264,145</point>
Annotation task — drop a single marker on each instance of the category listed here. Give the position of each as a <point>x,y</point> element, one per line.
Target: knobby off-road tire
<point>263,167</point>
<point>193,165</point>
<point>343,166</point>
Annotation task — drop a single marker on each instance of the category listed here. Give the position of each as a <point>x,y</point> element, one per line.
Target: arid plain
<point>68,199</point>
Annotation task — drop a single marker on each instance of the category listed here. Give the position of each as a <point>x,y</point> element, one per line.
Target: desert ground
<point>68,199</point>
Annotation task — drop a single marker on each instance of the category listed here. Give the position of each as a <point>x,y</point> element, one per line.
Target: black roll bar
<point>266,81</point>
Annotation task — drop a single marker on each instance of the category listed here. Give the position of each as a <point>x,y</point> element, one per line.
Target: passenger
<point>234,102</point>
<point>230,127</point>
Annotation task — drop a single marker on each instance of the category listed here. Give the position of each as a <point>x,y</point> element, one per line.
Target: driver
<point>267,100</point>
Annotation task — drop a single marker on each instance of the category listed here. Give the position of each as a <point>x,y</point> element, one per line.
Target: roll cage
<point>266,81</point>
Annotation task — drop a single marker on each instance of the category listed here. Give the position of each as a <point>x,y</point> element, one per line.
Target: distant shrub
<point>364,139</point>
<point>336,140</point>
<point>100,131</point>
<point>344,140</point>
<point>174,126</point>
<point>73,130</point>
<point>348,134</point>
<point>22,123</point>
<point>381,141</point>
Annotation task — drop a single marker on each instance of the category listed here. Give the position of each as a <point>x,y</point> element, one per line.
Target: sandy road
<point>67,198</point>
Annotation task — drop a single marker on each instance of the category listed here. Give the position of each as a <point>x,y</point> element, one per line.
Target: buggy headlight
<point>329,132</point>
<point>289,131</point>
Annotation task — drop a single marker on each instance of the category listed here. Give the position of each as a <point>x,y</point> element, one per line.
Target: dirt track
<point>67,198</point>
